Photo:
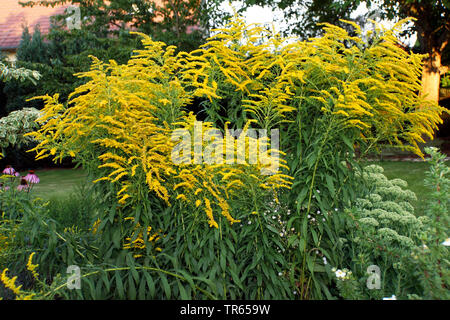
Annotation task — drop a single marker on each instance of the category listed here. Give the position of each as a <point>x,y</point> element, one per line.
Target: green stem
<point>137,268</point>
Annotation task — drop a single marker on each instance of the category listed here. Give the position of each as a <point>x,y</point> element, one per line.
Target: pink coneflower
<point>3,187</point>
<point>10,171</point>
<point>32,178</point>
<point>23,184</point>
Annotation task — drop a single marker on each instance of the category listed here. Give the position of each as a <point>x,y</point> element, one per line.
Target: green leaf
<point>236,279</point>
<point>150,284</point>
<point>119,285</point>
<point>131,288</point>
<point>183,293</point>
<point>166,286</point>
<point>330,184</point>
<point>142,289</point>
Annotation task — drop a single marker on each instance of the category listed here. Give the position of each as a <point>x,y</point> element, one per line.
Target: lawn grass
<point>57,183</point>
<point>414,174</point>
<point>60,183</point>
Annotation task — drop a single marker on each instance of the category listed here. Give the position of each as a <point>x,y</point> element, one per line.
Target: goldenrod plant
<point>335,99</point>
<point>119,126</point>
<point>209,229</point>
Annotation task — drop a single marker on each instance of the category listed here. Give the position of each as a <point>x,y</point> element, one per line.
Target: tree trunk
<point>431,76</point>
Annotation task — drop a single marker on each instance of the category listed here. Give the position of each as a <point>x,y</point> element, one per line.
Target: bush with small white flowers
<point>408,252</point>
<point>381,230</point>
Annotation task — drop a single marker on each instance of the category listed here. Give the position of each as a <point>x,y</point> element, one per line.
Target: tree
<point>63,54</point>
<point>433,32</point>
<point>105,34</point>
<point>184,23</point>
<point>432,24</point>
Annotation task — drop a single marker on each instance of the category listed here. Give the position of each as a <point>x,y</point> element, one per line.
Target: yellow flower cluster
<point>122,120</point>
<point>136,241</point>
<point>95,226</point>
<point>374,88</point>
<point>32,267</point>
<point>237,57</point>
<point>10,283</point>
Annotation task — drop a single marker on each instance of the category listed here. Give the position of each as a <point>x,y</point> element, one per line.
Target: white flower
<point>249,222</point>
<point>325,260</point>
<point>335,209</point>
<point>446,242</point>
<point>309,216</point>
<point>318,211</point>
<point>273,217</point>
<point>340,274</point>
<point>281,234</point>
<point>391,298</point>
<point>318,191</point>
<point>294,292</point>
<point>288,212</point>
<point>280,273</point>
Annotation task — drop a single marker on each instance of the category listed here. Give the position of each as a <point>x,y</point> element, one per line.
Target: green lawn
<point>414,174</point>
<point>57,182</point>
<point>61,182</point>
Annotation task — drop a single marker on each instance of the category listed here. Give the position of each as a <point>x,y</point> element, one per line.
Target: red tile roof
<point>14,17</point>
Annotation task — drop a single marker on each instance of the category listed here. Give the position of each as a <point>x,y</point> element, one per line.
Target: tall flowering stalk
<point>119,126</point>
<point>330,97</point>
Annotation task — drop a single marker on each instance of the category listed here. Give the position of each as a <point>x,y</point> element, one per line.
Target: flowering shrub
<point>382,230</point>
<point>225,230</point>
<point>408,252</point>
<point>26,226</point>
<point>120,128</point>
<point>14,189</point>
<point>14,203</point>
<point>332,98</point>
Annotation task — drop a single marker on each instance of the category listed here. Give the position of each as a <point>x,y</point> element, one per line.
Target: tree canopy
<point>431,22</point>
<point>184,23</point>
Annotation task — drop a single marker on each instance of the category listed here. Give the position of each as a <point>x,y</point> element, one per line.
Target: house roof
<point>14,17</point>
